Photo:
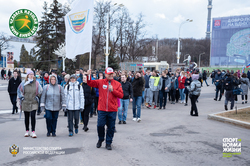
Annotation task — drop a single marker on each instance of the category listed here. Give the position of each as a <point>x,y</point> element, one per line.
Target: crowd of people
<point>87,93</point>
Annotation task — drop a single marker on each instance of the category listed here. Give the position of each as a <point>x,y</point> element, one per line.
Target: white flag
<point>78,24</point>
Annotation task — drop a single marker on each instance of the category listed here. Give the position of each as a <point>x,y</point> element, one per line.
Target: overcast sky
<point>163,17</point>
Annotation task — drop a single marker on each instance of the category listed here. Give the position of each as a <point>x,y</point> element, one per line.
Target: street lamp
<point>200,59</point>
<point>107,36</point>
<point>178,51</point>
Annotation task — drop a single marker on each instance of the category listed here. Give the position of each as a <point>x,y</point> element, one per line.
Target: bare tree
<point>4,42</point>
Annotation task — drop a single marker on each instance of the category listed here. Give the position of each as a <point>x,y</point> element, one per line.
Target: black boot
<point>226,107</point>
<point>108,146</point>
<point>99,144</point>
<point>16,109</point>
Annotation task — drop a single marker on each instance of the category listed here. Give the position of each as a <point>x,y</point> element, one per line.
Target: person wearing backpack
<point>89,95</point>
<point>52,101</point>
<point>244,85</point>
<point>228,83</point>
<point>194,92</point>
<point>29,92</point>
<point>75,102</point>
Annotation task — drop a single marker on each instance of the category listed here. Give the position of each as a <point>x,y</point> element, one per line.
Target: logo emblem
<point>217,23</point>
<point>14,149</point>
<point>78,21</point>
<point>23,23</point>
<point>104,86</point>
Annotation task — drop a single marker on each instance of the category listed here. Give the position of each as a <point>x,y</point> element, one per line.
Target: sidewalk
<point>163,137</point>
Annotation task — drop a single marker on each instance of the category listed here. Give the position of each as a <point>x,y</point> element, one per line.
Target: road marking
<point>5,111</point>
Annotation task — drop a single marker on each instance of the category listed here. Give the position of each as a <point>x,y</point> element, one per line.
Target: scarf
<point>46,79</point>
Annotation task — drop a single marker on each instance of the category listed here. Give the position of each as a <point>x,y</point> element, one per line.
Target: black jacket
<point>147,77</point>
<point>137,87</point>
<point>89,94</point>
<point>229,83</point>
<point>127,90</point>
<point>13,85</point>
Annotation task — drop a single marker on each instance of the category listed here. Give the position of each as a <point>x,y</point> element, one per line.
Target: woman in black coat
<point>89,96</point>
<point>187,83</point>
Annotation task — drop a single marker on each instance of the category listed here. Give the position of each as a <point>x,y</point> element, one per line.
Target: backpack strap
<point>37,87</point>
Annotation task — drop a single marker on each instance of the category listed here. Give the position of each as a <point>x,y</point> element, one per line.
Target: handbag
<point>237,91</point>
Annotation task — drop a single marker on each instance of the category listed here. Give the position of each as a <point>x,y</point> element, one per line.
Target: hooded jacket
<point>181,81</point>
<point>107,99</point>
<point>244,85</point>
<point>153,83</point>
<point>137,86</point>
<point>53,97</point>
<point>195,86</point>
<point>74,97</point>
<point>29,91</point>
<point>167,83</point>
<point>89,93</point>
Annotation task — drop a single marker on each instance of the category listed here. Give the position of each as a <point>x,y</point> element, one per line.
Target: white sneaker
<point>134,119</point>
<point>139,119</point>
<point>33,135</point>
<point>27,134</point>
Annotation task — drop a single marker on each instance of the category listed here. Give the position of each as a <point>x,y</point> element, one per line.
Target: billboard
<point>230,45</point>
<point>10,60</point>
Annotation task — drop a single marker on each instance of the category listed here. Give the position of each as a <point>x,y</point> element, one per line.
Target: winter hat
<point>67,76</point>
<point>73,76</point>
<point>29,71</point>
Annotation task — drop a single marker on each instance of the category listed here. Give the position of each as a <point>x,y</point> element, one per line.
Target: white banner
<point>78,24</point>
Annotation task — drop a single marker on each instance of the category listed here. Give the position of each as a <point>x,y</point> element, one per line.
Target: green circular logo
<point>23,23</point>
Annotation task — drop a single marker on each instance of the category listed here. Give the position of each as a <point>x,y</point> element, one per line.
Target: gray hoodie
<point>195,86</point>
<point>53,97</point>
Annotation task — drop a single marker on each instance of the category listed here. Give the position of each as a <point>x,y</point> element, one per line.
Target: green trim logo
<point>23,23</point>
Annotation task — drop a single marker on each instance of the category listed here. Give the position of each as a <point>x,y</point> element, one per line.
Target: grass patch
<point>242,115</point>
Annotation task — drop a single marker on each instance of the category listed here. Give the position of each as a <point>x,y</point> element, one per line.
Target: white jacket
<point>74,97</point>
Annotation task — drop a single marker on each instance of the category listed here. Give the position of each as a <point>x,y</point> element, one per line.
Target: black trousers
<point>13,102</point>
<point>242,97</point>
<point>73,115</point>
<point>96,104</point>
<point>172,93</point>
<point>31,114</point>
<point>187,92</point>
<point>85,115</point>
<point>177,95</point>
<point>194,109</point>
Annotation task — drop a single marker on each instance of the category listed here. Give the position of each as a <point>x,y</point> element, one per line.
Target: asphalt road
<point>163,137</point>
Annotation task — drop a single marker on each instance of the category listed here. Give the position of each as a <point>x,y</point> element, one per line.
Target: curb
<point>229,120</point>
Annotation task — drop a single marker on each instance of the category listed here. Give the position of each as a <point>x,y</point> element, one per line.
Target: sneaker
<point>154,106</point>
<point>242,102</point>
<point>76,131</point>
<point>215,99</point>
<point>48,134</point>
<point>138,120</point>
<point>149,106</point>
<point>108,147</point>
<point>53,134</point>
<point>33,134</point>
<point>186,104</point>
<point>245,101</point>
<point>124,122</point>
<point>164,108</point>
<point>99,144</point>
<point>120,122</point>
<point>70,134</point>
<point>134,119</point>
<point>27,134</point>
<point>159,108</point>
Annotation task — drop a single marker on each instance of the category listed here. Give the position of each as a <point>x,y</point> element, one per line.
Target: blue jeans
<point>142,97</point>
<point>51,121</point>
<point>137,103</point>
<point>123,109</point>
<point>163,94</point>
<point>182,94</point>
<point>106,118</point>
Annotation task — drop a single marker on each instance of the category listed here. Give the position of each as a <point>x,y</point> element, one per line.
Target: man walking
<point>109,91</point>
<point>128,93</point>
<point>12,89</point>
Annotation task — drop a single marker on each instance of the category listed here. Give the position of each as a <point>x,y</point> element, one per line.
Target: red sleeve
<point>118,92</point>
<point>93,83</point>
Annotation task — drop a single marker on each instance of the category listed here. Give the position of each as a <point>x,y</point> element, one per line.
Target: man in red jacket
<point>109,91</point>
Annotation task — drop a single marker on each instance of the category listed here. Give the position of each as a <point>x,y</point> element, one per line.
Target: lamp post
<point>178,51</point>
<point>106,52</point>
<point>200,59</point>
<point>107,36</point>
